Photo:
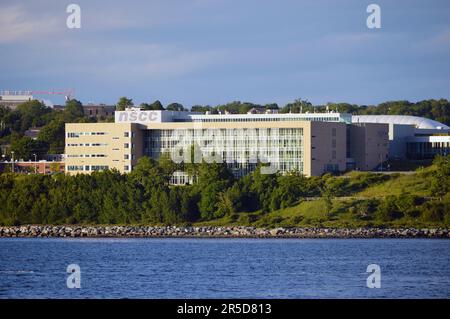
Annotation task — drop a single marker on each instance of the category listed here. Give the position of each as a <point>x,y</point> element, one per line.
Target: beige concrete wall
<point>114,140</point>
<point>323,150</point>
<point>369,144</point>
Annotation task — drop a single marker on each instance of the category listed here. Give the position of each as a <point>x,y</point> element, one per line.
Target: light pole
<point>12,161</point>
<point>35,163</point>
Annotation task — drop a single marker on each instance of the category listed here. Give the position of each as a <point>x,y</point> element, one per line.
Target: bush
<point>433,211</point>
<point>388,209</point>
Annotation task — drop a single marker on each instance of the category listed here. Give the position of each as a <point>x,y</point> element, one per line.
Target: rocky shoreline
<point>215,232</point>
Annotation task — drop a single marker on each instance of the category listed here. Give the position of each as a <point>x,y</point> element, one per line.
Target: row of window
<point>86,144</point>
<point>78,134</point>
<point>87,168</point>
<point>252,119</point>
<point>87,155</point>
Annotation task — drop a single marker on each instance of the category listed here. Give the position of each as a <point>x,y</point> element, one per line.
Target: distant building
<point>262,110</point>
<point>39,167</point>
<point>94,110</point>
<point>33,132</point>
<point>99,110</point>
<point>12,99</point>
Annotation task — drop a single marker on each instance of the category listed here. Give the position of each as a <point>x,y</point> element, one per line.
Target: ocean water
<point>224,268</point>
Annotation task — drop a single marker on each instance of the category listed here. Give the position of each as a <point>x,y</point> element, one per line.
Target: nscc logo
<point>137,116</point>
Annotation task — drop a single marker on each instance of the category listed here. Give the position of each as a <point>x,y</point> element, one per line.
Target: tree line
<point>145,196</point>
<point>50,140</point>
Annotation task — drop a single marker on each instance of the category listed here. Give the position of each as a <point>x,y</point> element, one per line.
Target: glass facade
<point>240,148</point>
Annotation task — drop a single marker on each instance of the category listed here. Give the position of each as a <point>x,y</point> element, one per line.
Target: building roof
<point>418,122</point>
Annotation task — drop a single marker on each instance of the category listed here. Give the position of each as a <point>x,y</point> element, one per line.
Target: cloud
<point>18,24</point>
<point>440,41</point>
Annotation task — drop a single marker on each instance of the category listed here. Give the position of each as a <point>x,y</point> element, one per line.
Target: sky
<point>216,51</point>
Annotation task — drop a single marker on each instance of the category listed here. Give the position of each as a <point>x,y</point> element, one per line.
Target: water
<point>224,268</point>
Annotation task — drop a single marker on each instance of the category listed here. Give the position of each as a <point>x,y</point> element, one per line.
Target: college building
<point>311,143</point>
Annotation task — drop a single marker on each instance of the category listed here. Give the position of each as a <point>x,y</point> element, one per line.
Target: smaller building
<point>39,167</point>
<point>33,132</point>
<point>99,110</point>
<point>411,137</point>
<point>11,99</point>
<point>427,147</point>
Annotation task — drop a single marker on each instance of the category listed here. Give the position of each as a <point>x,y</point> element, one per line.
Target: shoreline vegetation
<point>417,199</point>
<point>43,231</point>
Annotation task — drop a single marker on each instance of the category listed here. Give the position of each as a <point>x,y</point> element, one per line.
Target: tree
<point>290,188</point>
<point>263,186</point>
<point>123,103</point>
<point>440,183</point>
<point>213,178</point>
<point>298,106</point>
<point>327,192</point>
<point>74,109</point>
<point>388,209</point>
<point>24,147</point>
<point>30,114</point>
<point>175,107</point>
<point>53,135</point>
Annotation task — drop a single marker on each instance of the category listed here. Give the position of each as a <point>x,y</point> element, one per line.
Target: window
<point>75,168</point>
<point>99,167</point>
<point>126,145</point>
<point>333,155</point>
<point>126,168</point>
<point>126,156</point>
<point>126,134</point>
<point>86,168</point>
<point>333,131</point>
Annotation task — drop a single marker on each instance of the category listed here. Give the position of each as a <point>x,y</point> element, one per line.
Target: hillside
<point>400,200</point>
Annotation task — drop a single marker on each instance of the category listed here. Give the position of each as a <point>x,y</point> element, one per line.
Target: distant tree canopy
<point>34,114</point>
<point>155,106</point>
<point>123,103</point>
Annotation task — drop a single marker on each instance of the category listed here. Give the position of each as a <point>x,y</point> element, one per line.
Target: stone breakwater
<point>216,232</point>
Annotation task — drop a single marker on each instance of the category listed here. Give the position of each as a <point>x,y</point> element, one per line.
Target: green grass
<point>313,213</point>
<point>417,184</point>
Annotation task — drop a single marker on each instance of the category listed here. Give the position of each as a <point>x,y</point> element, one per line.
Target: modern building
<point>310,143</point>
<point>412,137</point>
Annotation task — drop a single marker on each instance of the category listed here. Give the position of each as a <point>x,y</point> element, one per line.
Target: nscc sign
<point>135,116</point>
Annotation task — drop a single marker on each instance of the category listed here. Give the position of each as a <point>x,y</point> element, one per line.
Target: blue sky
<point>216,51</point>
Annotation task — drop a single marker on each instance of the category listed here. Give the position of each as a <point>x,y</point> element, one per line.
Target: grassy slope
<point>313,213</point>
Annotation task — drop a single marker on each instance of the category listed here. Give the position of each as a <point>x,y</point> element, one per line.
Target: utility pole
<point>12,161</point>
<point>35,163</point>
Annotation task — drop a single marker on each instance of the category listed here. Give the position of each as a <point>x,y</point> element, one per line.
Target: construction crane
<point>68,94</point>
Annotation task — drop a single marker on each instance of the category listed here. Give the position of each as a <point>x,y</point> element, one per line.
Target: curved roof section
<point>418,122</point>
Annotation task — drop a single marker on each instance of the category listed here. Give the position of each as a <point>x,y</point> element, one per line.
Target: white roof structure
<point>418,122</point>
